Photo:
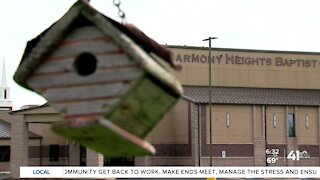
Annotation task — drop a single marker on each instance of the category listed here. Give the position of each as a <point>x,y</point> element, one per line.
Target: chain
<point>121,13</point>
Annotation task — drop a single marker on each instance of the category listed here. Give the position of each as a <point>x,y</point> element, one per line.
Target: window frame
<point>5,153</point>
<point>54,152</point>
<point>291,125</point>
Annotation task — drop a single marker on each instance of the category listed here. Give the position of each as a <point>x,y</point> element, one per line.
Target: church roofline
<point>252,96</point>
<point>5,131</point>
<point>29,109</point>
<point>243,50</point>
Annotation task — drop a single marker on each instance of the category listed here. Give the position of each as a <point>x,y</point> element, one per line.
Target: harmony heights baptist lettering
<point>246,60</point>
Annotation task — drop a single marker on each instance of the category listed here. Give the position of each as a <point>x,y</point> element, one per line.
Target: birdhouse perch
<point>100,75</point>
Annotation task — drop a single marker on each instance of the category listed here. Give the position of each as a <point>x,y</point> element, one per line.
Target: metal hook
<point>116,2</point>
<point>121,13</point>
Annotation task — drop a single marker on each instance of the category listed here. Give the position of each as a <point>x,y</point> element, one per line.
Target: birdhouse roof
<point>129,38</point>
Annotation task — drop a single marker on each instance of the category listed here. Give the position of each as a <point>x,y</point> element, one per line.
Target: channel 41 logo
<point>272,155</point>
<point>296,155</point>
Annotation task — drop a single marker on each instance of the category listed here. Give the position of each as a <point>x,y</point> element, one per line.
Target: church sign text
<point>247,60</point>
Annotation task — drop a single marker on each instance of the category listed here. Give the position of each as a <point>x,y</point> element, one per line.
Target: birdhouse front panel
<point>89,76</point>
<point>86,74</point>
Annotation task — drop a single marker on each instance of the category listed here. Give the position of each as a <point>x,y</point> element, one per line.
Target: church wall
<point>248,68</point>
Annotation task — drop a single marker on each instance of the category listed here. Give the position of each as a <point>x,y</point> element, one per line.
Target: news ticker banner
<point>168,172</point>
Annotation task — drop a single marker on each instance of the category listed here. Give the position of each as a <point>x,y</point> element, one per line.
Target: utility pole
<point>210,100</point>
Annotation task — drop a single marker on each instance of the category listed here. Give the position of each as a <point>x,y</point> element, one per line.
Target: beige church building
<point>265,107</point>
<point>265,112</point>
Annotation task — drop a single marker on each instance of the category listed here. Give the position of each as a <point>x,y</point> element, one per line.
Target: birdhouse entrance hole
<point>85,64</point>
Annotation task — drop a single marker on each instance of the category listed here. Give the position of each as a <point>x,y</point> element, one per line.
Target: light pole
<point>210,101</point>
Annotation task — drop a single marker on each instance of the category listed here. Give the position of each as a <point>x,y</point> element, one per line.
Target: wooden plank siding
<point>74,49</point>
<point>109,60</point>
<point>84,33</point>
<point>85,107</point>
<point>86,92</point>
<point>143,109</point>
<point>58,71</point>
<point>58,80</point>
<point>76,95</point>
<point>84,39</point>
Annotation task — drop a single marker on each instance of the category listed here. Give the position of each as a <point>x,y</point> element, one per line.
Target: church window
<point>5,94</point>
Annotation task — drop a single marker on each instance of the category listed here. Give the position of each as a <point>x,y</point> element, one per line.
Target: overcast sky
<point>246,24</point>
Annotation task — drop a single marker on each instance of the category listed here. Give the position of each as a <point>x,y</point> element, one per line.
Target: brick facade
<point>93,158</point>
<point>259,139</point>
<point>74,154</point>
<point>249,154</point>
<point>19,145</point>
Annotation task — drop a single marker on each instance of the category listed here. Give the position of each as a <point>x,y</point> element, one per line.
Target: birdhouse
<point>108,80</point>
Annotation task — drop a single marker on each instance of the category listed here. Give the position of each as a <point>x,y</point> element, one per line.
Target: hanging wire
<point>121,13</point>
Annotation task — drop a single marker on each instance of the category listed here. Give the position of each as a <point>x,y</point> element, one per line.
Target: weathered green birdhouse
<point>103,78</point>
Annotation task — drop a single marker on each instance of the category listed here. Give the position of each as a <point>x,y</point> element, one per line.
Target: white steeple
<point>5,102</point>
<point>4,77</point>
